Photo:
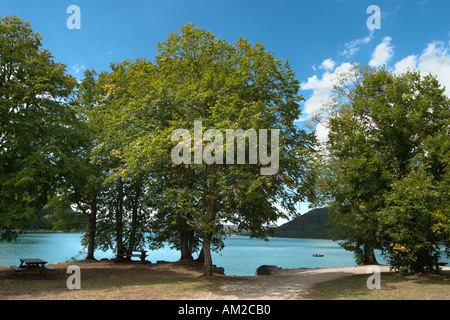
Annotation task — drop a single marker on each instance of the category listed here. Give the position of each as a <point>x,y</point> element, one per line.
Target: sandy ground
<point>286,284</point>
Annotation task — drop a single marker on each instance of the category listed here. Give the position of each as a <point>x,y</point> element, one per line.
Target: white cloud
<point>352,47</point>
<point>327,64</point>
<point>77,68</point>
<point>322,90</point>
<point>410,62</point>
<point>435,59</point>
<point>383,53</point>
<point>322,131</point>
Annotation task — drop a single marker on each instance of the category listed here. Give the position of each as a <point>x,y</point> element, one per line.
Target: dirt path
<point>285,284</point>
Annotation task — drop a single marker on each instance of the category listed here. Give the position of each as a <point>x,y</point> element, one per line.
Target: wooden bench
<point>142,255</point>
<point>16,269</point>
<point>47,268</point>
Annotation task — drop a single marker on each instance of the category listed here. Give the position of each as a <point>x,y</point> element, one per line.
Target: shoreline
<point>280,271</point>
<point>45,231</point>
<point>228,235</point>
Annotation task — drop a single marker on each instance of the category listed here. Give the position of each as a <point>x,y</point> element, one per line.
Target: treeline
<point>42,221</point>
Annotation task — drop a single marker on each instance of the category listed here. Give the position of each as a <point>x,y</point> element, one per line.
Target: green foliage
<point>197,76</point>
<point>36,122</point>
<point>416,219</point>
<point>386,170</point>
<point>41,221</point>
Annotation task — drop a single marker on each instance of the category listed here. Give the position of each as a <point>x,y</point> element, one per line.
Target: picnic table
<point>142,254</point>
<point>32,264</point>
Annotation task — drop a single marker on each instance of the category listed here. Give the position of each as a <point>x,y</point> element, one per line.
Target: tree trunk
<point>207,254</point>
<point>186,238</point>
<point>134,220</point>
<point>201,255</point>
<point>369,255</point>
<point>119,217</point>
<point>208,229</point>
<point>92,224</point>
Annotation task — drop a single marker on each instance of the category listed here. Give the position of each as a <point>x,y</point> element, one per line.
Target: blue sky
<point>319,37</point>
<point>306,32</point>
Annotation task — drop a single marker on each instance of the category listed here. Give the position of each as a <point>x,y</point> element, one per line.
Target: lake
<point>241,255</point>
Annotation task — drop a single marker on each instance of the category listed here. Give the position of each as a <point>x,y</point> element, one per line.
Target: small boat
<point>317,255</point>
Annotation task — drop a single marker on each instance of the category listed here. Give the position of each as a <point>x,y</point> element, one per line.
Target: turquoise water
<point>241,255</point>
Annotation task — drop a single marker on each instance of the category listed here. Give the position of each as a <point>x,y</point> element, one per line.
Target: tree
<point>124,211</point>
<point>416,219</point>
<point>199,77</point>
<point>79,196</point>
<point>352,169</point>
<point>36,123</point>
<point>383,129</point>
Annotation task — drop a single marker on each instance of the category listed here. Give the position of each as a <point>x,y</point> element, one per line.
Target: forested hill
<point>313,225</point>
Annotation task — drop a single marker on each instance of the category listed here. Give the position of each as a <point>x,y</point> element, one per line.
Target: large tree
<point>383,129</point>
<point>36,123</point>
<point>122,221</point>
<point>200,82</point>
<point>232,86</point>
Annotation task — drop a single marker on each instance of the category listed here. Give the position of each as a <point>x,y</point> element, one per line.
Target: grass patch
<point>152,289</point>
<point>394,286</point>
<point>106,289</point>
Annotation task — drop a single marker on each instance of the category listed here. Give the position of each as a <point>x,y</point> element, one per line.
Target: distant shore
<point>44,231</point>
